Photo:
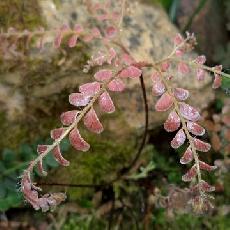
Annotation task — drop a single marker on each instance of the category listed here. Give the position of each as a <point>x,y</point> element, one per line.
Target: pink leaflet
<point>127,59</point>
<point>110,31</point>
<point>90,89</point>
<point>200,74</point>
<point>131,72</point>
<point>103,75</point>
<point>96,32</point>
<point>78,99</point>
<point>67,118</point>
<point>179,52</point>
<point>56,133</point>
<point>78,28</point>
<point>164,103</point>
<point>183,68</point>
<point>77,141</point>
<point>112,55</point>
<point>187,156</point>
<point>58,40</point>
<point>218,79</point>
<point>207,167</point>
<point>106,103</point>
<point>92,122</point>
<point>73,40</point>
<point>59,36</point>
<point>217,82</point>
<point>58,156</point>
<point>195,129</point>
<point>201,145</point>
<point>178,39</point>
<point>181,94</point>
<point>179,139</point>
<point>189,112</point>
<point>41,149</point>
<point>116,85</point>
<point>158,86</point>
<point>203,186</point>
<point>88,38</point>
<point>191,173</point>
<point>200,60</point>
<point>172,123</point>
<point>165,66</point>
<point>30,196</point>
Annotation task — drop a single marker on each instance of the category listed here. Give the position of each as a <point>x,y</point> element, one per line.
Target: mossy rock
<point>20,14</point>
<point>99,166</point>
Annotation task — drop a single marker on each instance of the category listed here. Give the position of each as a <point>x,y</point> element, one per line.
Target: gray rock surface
<point>148,33</point>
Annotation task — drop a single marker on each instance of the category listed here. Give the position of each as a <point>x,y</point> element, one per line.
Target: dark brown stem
<point>73,185</point>
<point>138,154</point>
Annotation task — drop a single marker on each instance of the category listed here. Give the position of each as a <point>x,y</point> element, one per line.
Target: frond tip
<point>31,194</point>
